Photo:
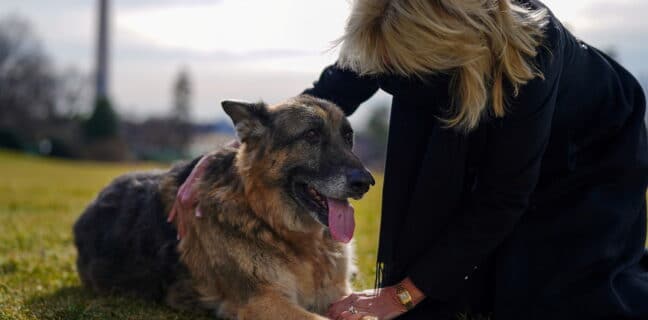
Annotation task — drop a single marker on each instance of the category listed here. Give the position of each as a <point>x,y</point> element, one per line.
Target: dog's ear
<point>250,119</point>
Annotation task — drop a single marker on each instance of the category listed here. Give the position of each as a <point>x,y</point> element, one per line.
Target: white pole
<point>102,76</point>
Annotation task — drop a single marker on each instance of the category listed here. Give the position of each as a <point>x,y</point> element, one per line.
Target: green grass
<point>39,201</point>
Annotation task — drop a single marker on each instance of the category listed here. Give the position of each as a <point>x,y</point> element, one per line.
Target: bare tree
<point>27,82</point>
<point>74,93</point>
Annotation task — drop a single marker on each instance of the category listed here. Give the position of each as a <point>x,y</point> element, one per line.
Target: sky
<point>254,49</point>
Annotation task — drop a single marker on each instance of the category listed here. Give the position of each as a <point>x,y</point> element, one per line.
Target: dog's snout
<point>360,180</point>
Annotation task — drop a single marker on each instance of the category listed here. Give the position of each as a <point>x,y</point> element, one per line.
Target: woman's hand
<point>381,304</point>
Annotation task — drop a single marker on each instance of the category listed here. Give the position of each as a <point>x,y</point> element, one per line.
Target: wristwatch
<point>404,297</point>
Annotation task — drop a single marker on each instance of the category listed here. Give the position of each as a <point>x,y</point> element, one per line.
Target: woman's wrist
<point>392,293</point>
<point>414,292</point>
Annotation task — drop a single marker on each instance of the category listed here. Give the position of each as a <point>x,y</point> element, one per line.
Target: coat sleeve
<point>343,87</point>
<point>505,180</point>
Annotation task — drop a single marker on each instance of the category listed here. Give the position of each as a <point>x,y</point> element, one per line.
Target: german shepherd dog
<point>272,243</point>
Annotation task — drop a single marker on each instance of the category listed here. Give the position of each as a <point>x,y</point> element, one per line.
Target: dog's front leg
<point>272,305</point>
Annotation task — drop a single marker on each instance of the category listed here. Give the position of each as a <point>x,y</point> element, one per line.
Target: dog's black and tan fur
<point>262,249</point>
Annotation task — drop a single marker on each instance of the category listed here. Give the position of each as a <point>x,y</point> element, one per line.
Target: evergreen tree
<point>182,97</point>
<point>103,123</point>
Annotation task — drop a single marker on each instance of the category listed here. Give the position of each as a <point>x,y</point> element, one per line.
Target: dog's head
<point>299,155</point>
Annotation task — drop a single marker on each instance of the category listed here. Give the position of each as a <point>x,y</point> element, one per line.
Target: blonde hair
<point>481,43</point>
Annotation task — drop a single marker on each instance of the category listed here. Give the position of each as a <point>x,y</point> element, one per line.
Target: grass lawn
<point>39,201</point>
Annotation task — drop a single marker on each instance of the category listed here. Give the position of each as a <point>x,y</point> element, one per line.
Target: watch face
<point>403,296</point>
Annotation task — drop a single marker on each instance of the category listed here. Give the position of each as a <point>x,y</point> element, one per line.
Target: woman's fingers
<point>364,304</point>
<point>382,305</point>
<point>341,305</point>
<point>337,308</point>
<point>344,316</point>
<point>364,316</point>
<point>369,292</point>
<point>347,315</point>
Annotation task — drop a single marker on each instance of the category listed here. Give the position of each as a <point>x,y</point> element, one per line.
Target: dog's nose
<point>359,180</point>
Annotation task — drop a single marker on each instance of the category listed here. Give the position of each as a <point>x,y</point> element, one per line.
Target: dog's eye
<point>348,137</point>
<point>312,137</point>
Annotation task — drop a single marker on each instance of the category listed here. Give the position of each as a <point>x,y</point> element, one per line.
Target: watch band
<point>404,297</point>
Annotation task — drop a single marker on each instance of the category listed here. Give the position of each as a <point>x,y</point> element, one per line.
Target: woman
<point>516,169</point>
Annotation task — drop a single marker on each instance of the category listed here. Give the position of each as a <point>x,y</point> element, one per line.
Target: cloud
<point>621,25</point>
<point>616,20</point>
<point>253,49</point>
<point>157,3</point>
<point>238,26</point>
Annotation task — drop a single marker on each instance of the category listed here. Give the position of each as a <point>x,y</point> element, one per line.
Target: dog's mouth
<point>336,214</point>
<point>312,200</point>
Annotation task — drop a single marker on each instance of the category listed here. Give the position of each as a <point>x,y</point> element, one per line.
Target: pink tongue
<point>340,219</point>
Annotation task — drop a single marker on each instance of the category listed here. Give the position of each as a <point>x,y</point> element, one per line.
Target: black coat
<point>537,215</point>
